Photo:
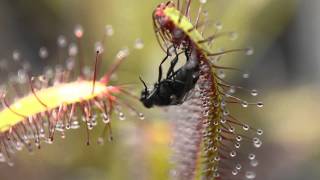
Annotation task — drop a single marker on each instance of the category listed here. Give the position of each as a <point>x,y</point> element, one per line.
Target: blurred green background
<point>284,68</point>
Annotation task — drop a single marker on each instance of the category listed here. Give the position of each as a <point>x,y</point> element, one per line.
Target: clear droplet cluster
<point>220,128</point>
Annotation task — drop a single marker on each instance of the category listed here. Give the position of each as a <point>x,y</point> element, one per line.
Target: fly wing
<point>188,95</point>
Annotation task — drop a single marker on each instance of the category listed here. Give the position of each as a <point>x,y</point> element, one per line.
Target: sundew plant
<point>206,130</point>
<point>60,98</point>
<point>209,140</point>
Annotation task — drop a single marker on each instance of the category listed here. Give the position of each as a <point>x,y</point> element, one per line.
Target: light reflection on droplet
<point>78,31</point>
<point>73,49</point>
<point>98,46</point>
<point>250,175</point>
<point>109,30</point>
<point>16,55</point>
<point>254,92</point>
<point>218,25</point>
<point>260,104</point>
<point>233,36</point>
<point>138,44</point>
<point>62,41</point>
<point>249,51</point>
<point>245,75</point>
<point>43,53</point>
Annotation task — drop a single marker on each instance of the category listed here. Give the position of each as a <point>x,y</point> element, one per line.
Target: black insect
<point>173,89</point>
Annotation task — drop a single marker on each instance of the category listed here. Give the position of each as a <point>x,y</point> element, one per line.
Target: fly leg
<point>160,66</point>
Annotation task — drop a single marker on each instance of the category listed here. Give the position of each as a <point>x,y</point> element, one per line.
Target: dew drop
<point>255,139</point>
<point>63,135</point>
<point>252,156</point>
<point>254,92</point>
<point>235,172</point>
<point>250,175</point>
<point>2,158</point>
<point>232,129</point>
<point>73,49</point>
<point>98,46</point>
<point>249,51</point>
<point>257,144</point>
<point>232,90</point>
<point>74,125</point>
<point>122,116</point>
<point>59,127</point>
<point>223,103</point>
<point>141,116</point>
<point>109,30</point>
<point>48,72</point>
<point>123,53</point>
<point>49,140</point>
<point>219,138</point>
<point>213,60</point>
<point>237,145</point>
<point>105,118</point>
<point>218,25</point>
<point>114,77</point>
<point>87,71</point>
<point>233,36</point>
<point>226,112</point>
<point>254,163</point>
<point>22,76</point>
<point>16,55</point>
<point>42,133</point>
<point>244,104</point>
<point>223,120</point>
<point>215,169</point>
<point>26,65</point>
<point>217,158</point>
<point>62,41</point>
<point>215,148</point>
<point>89,125</point>
<point>245,75</point>
<point>246,127</point>
<point>10,163</point>
<point>238,166</point>
<point>259,104</point>
<point>19,146</point>
<point>138,43</point>
<point>43,53</point>
<point>173,173</point>
<point>78,31</point>
<point>259,132</point>
<point>239,138</point>
<point>94,122</point>
<point>70,63</point>
<point>233,154</point>
<point>100,141</point>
